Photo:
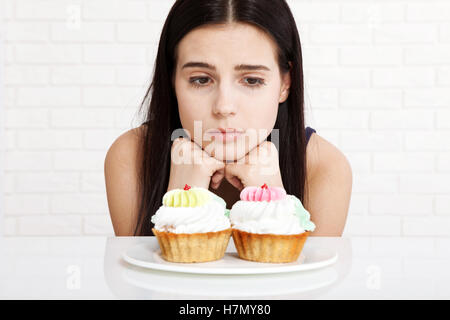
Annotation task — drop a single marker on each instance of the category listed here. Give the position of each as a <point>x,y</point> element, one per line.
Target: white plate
<point>148,255</point>
<point>171,285</point>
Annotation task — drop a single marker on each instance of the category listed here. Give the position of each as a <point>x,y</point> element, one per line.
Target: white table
<point>92,268</point>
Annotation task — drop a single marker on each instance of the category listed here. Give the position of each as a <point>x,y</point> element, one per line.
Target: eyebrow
<point>240,67</point>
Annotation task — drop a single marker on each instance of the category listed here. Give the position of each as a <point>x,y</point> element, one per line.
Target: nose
<point>224,105</point>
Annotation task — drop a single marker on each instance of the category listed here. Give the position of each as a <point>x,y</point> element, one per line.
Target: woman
<point>228,77</point>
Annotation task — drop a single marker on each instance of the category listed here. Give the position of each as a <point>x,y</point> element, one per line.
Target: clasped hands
<point>192,165</point>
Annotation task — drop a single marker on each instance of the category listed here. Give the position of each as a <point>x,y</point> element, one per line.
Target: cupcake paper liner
<point>272,248</point>
<point>193,247</point>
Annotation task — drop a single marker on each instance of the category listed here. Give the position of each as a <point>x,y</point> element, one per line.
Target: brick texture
<point>377,85</point>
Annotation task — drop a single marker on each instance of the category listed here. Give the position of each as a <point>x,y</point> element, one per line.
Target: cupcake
<point>192,225</point>
<point>269,225</point>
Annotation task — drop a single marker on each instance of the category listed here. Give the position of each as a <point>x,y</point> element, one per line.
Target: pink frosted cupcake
<point>269,225</point>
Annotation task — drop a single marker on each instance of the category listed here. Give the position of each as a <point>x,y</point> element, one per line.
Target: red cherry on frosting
<point>186,187</point>
<point>264,186</point>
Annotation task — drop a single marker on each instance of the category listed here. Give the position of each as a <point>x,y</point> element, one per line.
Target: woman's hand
<point>259,166</point>
<point>191,165</point>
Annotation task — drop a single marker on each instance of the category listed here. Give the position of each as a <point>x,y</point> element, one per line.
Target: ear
<point>285,84</point>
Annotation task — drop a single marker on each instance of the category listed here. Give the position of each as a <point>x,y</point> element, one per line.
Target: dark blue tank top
<point>309,132</point>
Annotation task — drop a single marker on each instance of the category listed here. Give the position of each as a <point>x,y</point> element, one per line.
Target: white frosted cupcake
<point>192,225</point>
<point>268,225</point>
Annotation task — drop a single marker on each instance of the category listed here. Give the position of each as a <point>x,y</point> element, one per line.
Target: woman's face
<point>227,77</point>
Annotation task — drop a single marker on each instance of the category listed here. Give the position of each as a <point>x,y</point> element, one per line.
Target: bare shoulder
<point>329,186</point>
<point>125,148</point>
<point>322,156</point>
<point>122,182</point>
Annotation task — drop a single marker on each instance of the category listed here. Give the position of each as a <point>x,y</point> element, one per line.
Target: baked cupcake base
<point>272,248</point>
<point>193,247</point>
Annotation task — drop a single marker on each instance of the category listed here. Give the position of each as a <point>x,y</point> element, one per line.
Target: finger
<point>269,149</point>
<point>180,151</point>
<point>231,175</point>
<point>235,182</point>
<point>217,178</point>
<point>187,134</point>
<point>255,156</point>
<point>262,154</point>
<point>210,149</point>
<point>213,164</point>
<point>211,160</point>
<point>201,157</point>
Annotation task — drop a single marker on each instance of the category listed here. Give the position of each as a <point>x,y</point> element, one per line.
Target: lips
<point>228,130</point>
<point>225,134</point>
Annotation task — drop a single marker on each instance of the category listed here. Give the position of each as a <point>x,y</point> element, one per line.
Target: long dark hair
<point>161,108</point>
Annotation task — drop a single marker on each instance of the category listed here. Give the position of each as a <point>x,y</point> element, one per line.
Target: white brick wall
<point>377,77</point>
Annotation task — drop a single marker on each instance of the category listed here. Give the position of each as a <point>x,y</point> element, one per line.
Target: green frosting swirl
<point>222,202</point>
<point>303,215</point>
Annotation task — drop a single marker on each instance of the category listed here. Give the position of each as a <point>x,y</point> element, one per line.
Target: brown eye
<point>199,82</point>
<point>255,82</point>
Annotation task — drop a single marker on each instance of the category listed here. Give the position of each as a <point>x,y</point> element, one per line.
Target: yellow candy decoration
<point>186,198</point>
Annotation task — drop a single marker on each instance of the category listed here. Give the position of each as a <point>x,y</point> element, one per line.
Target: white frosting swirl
<point>207,218</point>
<point>262,217</point>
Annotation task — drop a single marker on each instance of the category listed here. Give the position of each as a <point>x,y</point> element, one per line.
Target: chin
<point>230,151</point>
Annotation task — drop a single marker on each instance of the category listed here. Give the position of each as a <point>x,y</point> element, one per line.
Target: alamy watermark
<point>373,281</point>
<point>249,137</point>
<point>73,280</point>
